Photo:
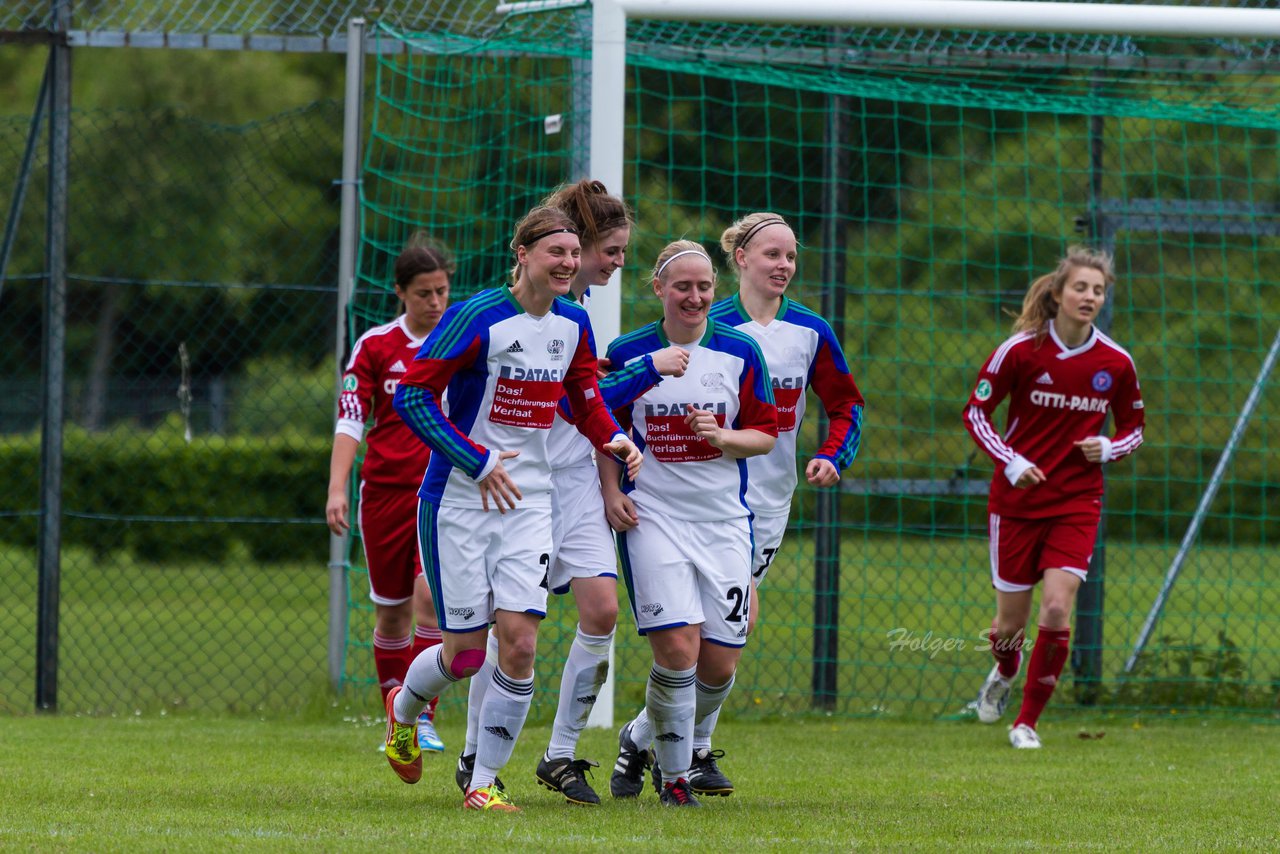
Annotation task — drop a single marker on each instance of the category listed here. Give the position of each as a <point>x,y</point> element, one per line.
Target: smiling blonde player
<point>685,527</point>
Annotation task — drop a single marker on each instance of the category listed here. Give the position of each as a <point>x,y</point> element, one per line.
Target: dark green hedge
<point>164,499</point>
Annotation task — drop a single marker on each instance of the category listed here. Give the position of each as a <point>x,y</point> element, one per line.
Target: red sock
<point>1007,652</point>
<point>1047,660</point>
<point>425,637</point>
<point>391,657</point>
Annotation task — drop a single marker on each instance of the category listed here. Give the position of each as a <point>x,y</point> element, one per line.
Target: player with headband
<point>506,357</point>
<point>684,528</point>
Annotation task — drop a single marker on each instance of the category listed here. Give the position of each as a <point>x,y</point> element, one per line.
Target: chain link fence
<point>199,403</point>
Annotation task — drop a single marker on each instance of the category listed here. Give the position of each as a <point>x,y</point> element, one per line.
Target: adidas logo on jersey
<point>501,732</point>
<point>1044,379</point>
<point>515,347</point>
<point>397,368</point>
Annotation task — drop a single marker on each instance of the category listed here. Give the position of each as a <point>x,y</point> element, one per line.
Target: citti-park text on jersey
<point>1073,402</point>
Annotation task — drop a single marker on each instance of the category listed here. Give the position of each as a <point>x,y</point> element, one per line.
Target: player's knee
<point>517,656</point>
<point>600,619</point>
<point>466,663</point>
<point>1055,612</point>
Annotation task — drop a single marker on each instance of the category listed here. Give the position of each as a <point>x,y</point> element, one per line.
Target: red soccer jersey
<point>394,457</point>
<point>1057,396</point>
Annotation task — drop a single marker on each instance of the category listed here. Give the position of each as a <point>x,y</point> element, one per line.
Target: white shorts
<point>582,541</point>
<point>682,573</point>
<point>767,533</point>
<point>477,562</point>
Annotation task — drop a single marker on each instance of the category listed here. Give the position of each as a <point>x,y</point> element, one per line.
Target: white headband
<point>678,254</point>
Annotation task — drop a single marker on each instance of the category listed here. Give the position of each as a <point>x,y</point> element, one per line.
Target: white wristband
<point>1016,467</point>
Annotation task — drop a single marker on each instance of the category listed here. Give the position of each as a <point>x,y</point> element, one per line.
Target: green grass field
<point>195,783</point>
<point>230,636</point>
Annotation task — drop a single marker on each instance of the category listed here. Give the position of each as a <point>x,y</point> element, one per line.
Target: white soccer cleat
<point>992,696</point>
<point>1024,737</point>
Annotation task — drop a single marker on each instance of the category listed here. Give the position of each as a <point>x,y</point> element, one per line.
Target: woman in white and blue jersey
<point>506,358</point>
<point>685,526</point>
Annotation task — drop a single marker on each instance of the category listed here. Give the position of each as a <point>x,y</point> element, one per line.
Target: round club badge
<point>983,391</point>
<point>349,382</point>
<point>1102,381</point>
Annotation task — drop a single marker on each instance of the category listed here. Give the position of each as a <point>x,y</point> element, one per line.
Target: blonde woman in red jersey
<point>1062,376</point>
<point>404,618</point>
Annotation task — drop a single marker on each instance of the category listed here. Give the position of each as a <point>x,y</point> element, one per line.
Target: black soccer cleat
<point>467,767</point>
<point>678,794</point>
<point>628,772</point>
<point>569,778</point>
<point>705,777</point>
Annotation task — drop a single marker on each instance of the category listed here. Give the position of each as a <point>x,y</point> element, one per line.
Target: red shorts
<point>388,521</point>
<point>1022,549</point>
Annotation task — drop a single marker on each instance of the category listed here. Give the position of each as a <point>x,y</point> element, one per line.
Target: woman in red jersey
<point>405,621</point>
<point>1062,376</point>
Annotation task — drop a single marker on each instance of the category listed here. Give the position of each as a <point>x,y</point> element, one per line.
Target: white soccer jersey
<point>566,447</point>
<point>683,475</point>
<point>801,350</point>
<point>505,372</point>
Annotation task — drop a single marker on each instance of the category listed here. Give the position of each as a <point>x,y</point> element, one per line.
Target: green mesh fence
<point>198,413</point>
<point>929,177</point>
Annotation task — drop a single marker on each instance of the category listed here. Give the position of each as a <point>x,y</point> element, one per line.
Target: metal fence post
<point>347,237</point>
<point>54,364</point>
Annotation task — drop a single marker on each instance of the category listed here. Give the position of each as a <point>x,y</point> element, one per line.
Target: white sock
<point>477,689</point>
<point>427,678</point>
<point>584,674</point>
<point>642,730</point>
<point>506,705</point>
<point>670,699</point>
<point>709,702</point>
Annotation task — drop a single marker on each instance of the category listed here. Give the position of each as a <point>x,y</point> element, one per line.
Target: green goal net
<point>930,177</point>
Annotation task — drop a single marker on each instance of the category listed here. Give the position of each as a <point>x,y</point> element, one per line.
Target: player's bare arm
<point>619,509</point>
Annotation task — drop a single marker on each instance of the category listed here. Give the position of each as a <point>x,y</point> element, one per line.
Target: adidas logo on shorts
<point>515,347</point>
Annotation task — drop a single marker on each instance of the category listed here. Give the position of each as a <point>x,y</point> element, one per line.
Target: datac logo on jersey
<point>1102,381</point>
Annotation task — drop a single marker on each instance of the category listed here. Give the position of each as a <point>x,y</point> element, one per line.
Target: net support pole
<point>1202,510</point>
<point>826,546</point>
<point>608,113</point>
<point>348,233</point>
<point>1086,651</point>
<point>580,166</point>
<point>607,106</point>
<point>53,362</point>
<point>24,174</point>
